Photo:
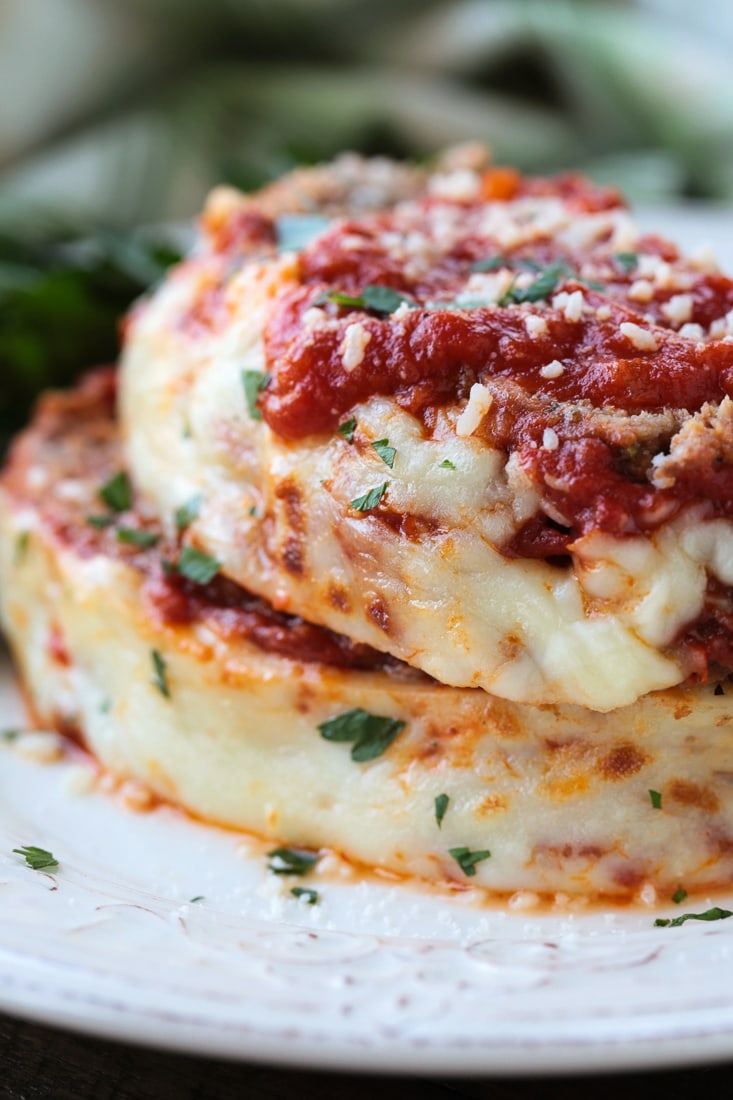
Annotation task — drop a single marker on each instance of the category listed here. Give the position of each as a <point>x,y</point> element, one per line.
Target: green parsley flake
<point>9,735</point>
<point>296,231</point>
<point>347,429</point>
<point>134,537</point>
<point>370,734</point>
<point>656,798</point>
<point>679,895</point>
<point>385,452</point>
<point>310,897</point>
<point>291,861</point>
<point>117,492</point>
<point>627,260</point>
<point>160,671</point>
<point>541,288</point>
<point>376,298</point>
<point>492,263</point>
<point>441,805</point>
<point>22,542</point>
<point>446,464</point>
<point>467,860</point>
<point>187,513</point>
<point>199,897</point>
<point>37,858</point>
<point>369,501</point>
<point>100,522</point>
<point>254,382</point>
<point>197,566</point>
<point>710,914</point>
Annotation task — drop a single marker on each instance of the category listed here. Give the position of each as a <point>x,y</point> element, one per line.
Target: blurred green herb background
<point>115,115</point>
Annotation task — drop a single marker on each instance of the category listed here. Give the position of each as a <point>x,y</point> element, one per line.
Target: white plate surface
<point>378,976</point>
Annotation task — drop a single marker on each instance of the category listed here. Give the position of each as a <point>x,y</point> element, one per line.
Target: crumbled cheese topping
<point>603,313</point>
<point>552,370</point>
<point>479,403</point>
<point>571,304</point>
<point>550,440</point>
<point>692,332</point>
<point>535,325</point>
<point>678,309</point>
<point>641,291</point>
<point>353,346</point>
<point>640,337</point>
<point>462,185</point>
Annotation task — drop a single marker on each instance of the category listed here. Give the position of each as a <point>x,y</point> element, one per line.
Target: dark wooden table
<point>39,1062</point>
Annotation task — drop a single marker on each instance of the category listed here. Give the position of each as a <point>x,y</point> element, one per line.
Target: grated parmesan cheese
<point>536,326</point>
<point>552,370</point>
<point>678,309</point>
<point>640,337</point>
<point>641,291</point>
<point>479,403</point>
<point>550,440</point>
<point>353,346</point>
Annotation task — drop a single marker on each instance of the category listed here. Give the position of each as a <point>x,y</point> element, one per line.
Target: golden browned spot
<point>339,597</point>
<point>493,803</point>
<point>292,556</point>
<point>511,647</point>
<point>289,493</point>
<point>378,612</point>
<point>559,854</point>
<point>622,762</point>
<point>682,710</point>
<point>687,793</point>
<point>409,526</point>
<point>629,875</point>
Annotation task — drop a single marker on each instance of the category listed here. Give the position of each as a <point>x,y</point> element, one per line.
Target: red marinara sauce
<point>623,351</point>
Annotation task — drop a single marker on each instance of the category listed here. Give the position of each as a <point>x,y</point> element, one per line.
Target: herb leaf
<point>197,566</point>
<point>160,674</point>
<point>542,287</point>
<point>627,260</point>
<point>347,429</point>
<point>291,861</point>
<point>385,452</point>
<point>378,299</point>
<point>441,805</point>
<point>369,501</point>
<point>22,542</point>
<point>100,522</point>
<point>254,382</point>
<point>187,513</point>
<point>371,734</point>
<point>446,464</point>
<point>311,897</point>
<point>296,231</point>
<point>492,263</point>
<point>134,537</point>
<point>710,914</point>
<point>656,798</point>
<point>37,858</point>
<point>117,492</point>
<point>467,860</point>
<point>199,897</point>
<point>679,895</point>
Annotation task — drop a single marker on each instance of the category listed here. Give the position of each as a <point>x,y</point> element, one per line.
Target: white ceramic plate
<point>378,976</point>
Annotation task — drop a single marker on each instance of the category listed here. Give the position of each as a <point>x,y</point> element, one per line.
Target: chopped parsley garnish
<point>197,566</point>
<point>369,501</point>
<point>22,542</point>
<point>542,287</point>
<point>254,382</point>
<point>467,860</point>
<point>291,861</point>
<point>9,735</point>
<point>117,492</point>
<point>656,798</point>
<point>370,734</point>
<point>492,263</point>
<point>135,537</point>
<point>446,464</point>
<point>252,511</point>
<point>187,513</point>
<point>441,805</point>
<point>378,299</point>
<point>679,895</point>
<point>627,260</point>
<point>710,914</point>
<point>199,897</point>
<point>37,858</point>
<point>295,231</point>
<point>100,522</point>
<point>160,673</point>
<point>348,428</point>
<point>385,452</point>
<point>310,897</point>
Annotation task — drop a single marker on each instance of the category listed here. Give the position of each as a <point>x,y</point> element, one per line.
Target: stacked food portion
<point>405,530</point>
